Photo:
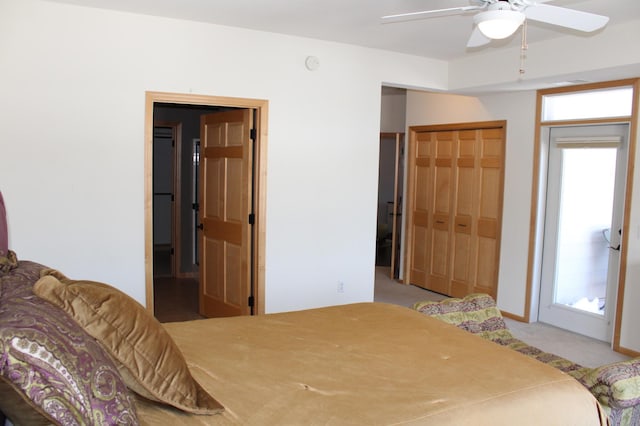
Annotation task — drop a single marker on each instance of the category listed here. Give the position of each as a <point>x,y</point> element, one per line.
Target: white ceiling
<point>358,21</point>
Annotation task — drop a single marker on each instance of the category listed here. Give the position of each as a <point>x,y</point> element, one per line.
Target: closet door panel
<point>423,178</point>
<point>490,177</point>
<point>422,205</point>
<point>442,201</point>
<point>461,271</point>
<point>457,177</point>
<point>420,250</point>
<point>463,259</point>
<point>490,192</point>
<point>487,273</point>
<point>439,271</point>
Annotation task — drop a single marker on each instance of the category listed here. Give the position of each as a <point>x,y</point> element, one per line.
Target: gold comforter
<point>367,364</point>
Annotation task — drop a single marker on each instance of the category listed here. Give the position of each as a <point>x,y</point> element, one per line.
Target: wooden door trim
<point>533,263</point>
<point>261,124</point>
<point>398,140</point>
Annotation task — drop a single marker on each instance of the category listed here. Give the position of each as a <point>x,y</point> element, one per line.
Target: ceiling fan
<point>499,19</point>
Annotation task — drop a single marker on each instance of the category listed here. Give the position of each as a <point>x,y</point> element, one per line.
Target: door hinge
<point>251,301</point>
<point>252,219</point>
<point>252,134</point>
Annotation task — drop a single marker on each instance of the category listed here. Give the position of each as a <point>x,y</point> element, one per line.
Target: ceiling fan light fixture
<point>498,24</point>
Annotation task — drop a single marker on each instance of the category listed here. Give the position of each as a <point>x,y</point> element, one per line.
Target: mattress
<point>368,363</point>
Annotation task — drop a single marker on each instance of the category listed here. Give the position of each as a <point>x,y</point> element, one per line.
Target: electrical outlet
<point>340,287</point>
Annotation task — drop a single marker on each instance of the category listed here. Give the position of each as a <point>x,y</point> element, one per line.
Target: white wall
<point>71,151</point>
<point>518,109</point>
<point>393,110</point>
<point>629,336</point>
<point>556,60</point>
<point>71,158</point>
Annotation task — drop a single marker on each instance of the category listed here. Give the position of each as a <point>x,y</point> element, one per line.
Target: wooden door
<point>431,163</point>
<point>421,152</point>
<point>439,266</point>
<point>490,178</point>
<point>454,198</point>
<point>225,203</point>
<point>465,215</point>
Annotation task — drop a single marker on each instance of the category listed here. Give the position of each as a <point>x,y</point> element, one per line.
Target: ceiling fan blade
<point>402,17</point>
<point>477,38</point>
<point>569,18</point>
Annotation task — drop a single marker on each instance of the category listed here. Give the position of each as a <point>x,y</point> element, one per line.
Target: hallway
<point>175,299</point>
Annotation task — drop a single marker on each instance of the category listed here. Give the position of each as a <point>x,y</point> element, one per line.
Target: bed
<point>366,363</point>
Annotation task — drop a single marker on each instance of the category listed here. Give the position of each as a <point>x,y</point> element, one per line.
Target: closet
<point>454,195</point>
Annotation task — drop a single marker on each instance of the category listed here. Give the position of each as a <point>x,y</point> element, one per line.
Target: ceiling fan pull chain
<point>523,47</point>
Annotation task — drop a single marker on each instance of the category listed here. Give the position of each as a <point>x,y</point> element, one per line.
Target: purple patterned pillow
<point>52,363</point>
<point>4,234</point>
<point>616,385</point>
<point>8,259</point>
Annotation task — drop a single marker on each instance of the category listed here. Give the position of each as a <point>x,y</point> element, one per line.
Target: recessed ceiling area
<point>358,21</point>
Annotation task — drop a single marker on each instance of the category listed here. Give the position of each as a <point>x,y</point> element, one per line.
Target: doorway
<point>175,181</point>
<point>258,195</point>
<point>390,188</point>
<point>165,183</point>
<point>586,176</point>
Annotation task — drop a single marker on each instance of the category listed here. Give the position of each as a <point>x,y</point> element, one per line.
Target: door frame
<point>538,194</point>
<point>259,190</point>
<point>398,140</point>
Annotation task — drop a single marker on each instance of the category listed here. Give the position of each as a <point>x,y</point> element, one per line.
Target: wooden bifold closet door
<point>455,192</point>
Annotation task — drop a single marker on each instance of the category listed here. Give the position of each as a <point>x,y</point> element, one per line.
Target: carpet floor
<point>575,347</point>
<point>177,300</point>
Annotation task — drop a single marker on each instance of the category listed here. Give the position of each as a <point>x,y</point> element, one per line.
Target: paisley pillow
<point>148,359</point>
<point>49,362</point>
<point>4,235</point>
<point>8,259</point>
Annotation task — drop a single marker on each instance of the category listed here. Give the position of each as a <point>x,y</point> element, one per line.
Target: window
<point>603,103</point>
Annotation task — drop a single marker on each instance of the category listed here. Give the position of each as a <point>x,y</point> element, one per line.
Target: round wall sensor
<point>312,63</point>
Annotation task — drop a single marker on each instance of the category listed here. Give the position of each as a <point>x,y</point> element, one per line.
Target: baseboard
<point>514,317</point>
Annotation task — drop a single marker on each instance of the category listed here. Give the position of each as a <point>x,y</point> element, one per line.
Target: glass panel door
<point>586,204</point>
<point>585,193</point>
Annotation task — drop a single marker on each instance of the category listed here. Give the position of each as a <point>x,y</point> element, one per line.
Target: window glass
<point>603,103</point>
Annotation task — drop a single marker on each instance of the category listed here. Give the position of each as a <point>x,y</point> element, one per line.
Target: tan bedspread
<point>367,364</point>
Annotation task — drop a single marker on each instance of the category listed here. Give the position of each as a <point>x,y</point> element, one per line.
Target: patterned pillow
<point>476,313</point>
<point>148,359</point>
<point>616,385</point>
<point>60,371</point>
<point>8,259</point>
<point>4,236</point>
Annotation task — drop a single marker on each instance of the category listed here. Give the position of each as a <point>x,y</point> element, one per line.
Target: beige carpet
<point>581,349</point>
